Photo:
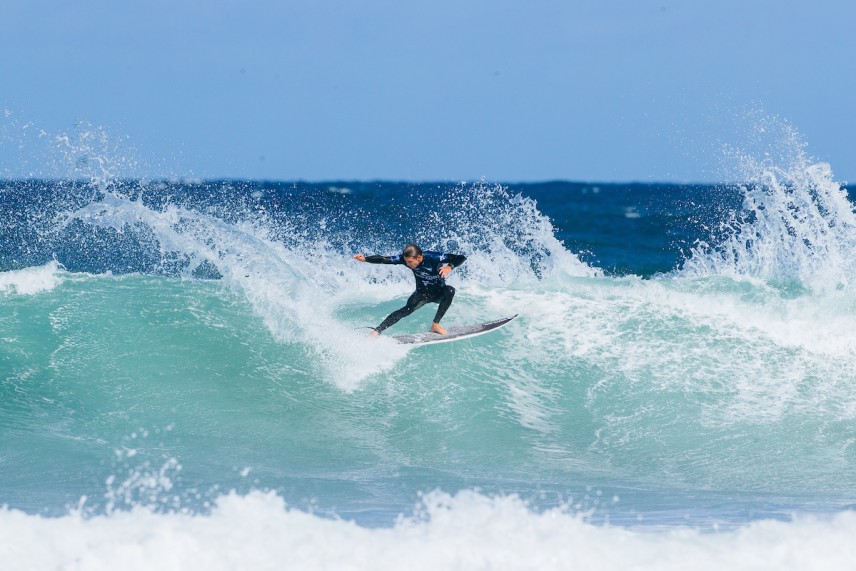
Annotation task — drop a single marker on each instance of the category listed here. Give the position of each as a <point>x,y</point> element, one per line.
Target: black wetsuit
<point>430,286</point>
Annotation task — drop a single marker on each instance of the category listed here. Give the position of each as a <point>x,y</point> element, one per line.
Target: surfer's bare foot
<point>435,328</point>
<point>374,333</point>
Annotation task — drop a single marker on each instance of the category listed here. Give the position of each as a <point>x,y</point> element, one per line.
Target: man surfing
<point>430,270</point>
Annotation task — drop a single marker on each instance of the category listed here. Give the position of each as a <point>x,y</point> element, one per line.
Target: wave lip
<point>31,281</point>
<point>797,228</point>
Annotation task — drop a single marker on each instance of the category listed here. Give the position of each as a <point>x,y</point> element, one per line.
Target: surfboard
<point>454,333</point>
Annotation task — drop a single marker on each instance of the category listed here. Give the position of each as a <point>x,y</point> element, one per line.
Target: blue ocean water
<point>185,376</point>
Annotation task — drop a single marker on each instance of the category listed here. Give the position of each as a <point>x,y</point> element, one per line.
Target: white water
<point>466,531</point>
<point>797,227</point>
<point>296,301</point>
<point>300,290</point>
<point>31,281</point>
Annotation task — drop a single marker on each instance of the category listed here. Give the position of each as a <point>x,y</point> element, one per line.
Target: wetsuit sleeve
<point>454,260</point>
<point>384,259</point>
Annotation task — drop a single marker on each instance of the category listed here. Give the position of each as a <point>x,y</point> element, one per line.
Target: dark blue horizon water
<point>624,229</point>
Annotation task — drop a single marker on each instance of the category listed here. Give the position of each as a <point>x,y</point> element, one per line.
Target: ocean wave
<point>696,382</point>
<point>796,229</point>
<point>207,336</point>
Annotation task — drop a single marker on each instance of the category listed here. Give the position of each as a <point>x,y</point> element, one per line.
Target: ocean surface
<point>186,380</point>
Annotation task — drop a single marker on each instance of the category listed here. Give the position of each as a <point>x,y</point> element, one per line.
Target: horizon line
<point>333,181</point>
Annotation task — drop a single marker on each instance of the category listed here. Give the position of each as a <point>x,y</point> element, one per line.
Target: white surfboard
<point>454,333</point>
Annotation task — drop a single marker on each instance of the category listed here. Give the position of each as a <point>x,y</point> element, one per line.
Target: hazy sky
<point>607,90</point>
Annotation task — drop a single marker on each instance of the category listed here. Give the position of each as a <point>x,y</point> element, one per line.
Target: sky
<point>439,90</point>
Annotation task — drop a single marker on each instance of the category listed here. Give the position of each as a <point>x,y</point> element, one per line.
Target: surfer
<point>430,270</point>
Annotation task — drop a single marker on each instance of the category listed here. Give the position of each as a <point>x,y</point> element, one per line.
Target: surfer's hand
<point>445,271</point>
<point>360,257</point>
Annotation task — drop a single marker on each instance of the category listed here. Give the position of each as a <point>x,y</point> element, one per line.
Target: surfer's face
<point>413,263</point>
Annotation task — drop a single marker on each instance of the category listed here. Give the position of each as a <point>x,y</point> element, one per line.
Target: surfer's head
<point>412,255</point>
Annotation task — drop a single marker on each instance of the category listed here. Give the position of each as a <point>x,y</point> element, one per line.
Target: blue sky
<point>605,90</point>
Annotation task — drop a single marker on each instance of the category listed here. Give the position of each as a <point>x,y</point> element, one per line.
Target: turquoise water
<point>605,388</point>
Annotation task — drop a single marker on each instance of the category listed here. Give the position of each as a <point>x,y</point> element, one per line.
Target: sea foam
<point>31,281</point>
<point>466,531</point>
<point>797,226</point>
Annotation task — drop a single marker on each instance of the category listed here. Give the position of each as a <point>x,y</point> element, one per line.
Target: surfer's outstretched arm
<point>378,259</point>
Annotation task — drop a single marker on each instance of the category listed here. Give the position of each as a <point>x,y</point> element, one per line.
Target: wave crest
<point>31,281</point>
<point>797,226</point>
